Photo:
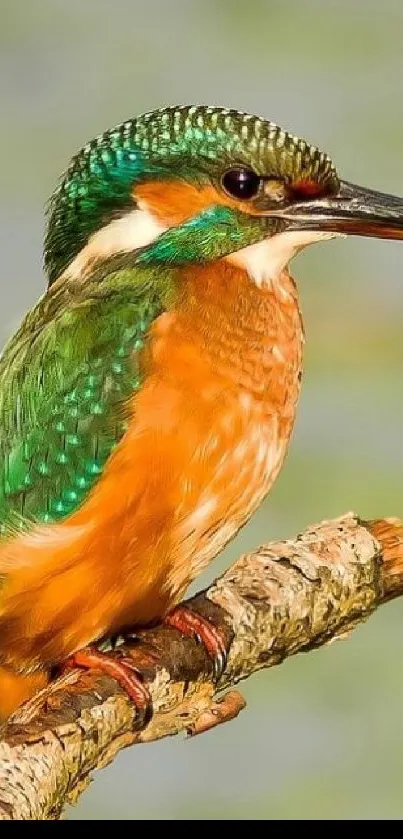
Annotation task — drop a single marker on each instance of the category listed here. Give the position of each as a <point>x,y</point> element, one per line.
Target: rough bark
<point>285,597</point>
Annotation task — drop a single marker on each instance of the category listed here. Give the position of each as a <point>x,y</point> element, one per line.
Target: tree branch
<point>284,598</point>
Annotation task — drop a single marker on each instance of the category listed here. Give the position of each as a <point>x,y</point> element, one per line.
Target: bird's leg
<point>122,669</point>
<point>195,626</point>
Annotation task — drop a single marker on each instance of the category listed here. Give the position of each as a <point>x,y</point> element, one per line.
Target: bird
<point>148,399</point>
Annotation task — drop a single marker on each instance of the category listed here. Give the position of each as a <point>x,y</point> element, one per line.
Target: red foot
<point>193,625</point>
<point>122,669</point>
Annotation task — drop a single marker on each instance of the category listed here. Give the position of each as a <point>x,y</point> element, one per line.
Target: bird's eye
<point>241,183</point>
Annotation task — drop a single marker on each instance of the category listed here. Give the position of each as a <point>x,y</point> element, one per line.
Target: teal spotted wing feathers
<point>65,381</point>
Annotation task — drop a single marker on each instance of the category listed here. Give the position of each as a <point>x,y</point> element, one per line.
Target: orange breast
<point>243,391</point>
<point>208,434</point>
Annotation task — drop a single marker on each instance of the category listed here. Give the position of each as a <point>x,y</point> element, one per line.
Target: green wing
<point>65,379</point>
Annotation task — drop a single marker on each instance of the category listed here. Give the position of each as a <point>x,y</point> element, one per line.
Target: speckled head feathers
<point>189,142</point>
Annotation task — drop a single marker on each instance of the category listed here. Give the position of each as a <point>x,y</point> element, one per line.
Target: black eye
<point>241,183</point>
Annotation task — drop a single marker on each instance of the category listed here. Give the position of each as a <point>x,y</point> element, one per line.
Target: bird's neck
<point>250,336</point>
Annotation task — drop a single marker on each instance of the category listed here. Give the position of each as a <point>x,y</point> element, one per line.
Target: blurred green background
<point>323,734</point>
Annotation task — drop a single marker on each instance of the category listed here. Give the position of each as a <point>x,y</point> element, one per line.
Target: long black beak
<point>353,209</point>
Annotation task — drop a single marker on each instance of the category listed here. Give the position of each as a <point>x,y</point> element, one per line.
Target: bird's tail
<point>389,533</point>
<point>16,688</point>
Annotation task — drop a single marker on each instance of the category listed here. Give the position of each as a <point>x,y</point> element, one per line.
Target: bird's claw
<point>204,632</point>
<point>219,663</point>
<point>121,668</point>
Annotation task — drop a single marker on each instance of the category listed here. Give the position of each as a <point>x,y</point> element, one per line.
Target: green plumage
<point>65,379</point>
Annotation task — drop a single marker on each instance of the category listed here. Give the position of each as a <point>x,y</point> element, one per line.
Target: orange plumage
<point>208,435</point>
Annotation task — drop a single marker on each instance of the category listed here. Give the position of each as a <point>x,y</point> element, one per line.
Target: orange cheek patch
<point>173,202</point>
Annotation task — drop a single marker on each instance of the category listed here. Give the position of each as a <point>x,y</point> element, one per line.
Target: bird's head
<point>195,184</point>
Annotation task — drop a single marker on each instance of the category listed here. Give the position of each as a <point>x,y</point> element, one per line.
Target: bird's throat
<point>266,261</point>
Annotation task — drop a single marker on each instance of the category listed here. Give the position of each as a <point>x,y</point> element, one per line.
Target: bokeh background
<point>323,734</point>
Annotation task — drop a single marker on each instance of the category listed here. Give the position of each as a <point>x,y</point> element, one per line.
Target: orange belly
<point>208,434</point>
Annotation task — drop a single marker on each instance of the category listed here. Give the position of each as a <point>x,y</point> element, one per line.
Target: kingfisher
<point>148,399</point>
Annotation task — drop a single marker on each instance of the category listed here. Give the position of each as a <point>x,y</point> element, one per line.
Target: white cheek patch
<point>265,261</point>
<point>128,233</point>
